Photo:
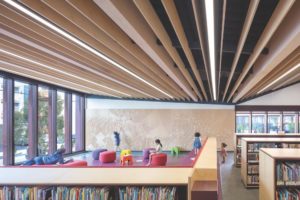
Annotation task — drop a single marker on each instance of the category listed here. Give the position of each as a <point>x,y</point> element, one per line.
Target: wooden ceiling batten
<point>92,12</point>
<point>175,20</point>
<point>246,27</point>
<point>293,79</point>
<point>280,12</point>
<point>150,16</point>
<point>125,14</point>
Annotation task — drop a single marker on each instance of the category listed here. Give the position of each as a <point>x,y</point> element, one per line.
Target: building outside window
<point>43,123</point>
<point>289,122</point>
<point>243,122</point>
<point>274,122</point>
<point>258,122</point>
<point>60,119</point>
<point>21,97</point>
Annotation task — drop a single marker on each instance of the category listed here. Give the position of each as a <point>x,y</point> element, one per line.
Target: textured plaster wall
<point>174,127</point>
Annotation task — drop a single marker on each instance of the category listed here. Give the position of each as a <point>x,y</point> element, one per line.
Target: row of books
<point>253,179</point>
<point>253,169</point>
<point>288,194</point>
<point>54,193</point>
<point>147,193</point>
<point>288,173</point>
<point>254,147</point>
<point>253,157</point>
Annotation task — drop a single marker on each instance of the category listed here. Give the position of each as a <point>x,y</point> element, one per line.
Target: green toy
<point>175,151</point>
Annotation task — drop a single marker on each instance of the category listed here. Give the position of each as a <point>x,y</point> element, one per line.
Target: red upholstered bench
<point>75,163</point>
<point>159,159</point>
<point>107,157</point>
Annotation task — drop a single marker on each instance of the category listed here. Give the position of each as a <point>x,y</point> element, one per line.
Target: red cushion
<point>75,163</point>
<point>107,157</point>
<point>159,159</point>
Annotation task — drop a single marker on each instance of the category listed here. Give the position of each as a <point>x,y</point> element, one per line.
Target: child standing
<point>117,140</point>
<point>223,152</point>
<point>197,143</point>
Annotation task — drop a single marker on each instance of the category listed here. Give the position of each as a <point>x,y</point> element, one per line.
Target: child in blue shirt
<point>197,143</point>
<point>117,140</point>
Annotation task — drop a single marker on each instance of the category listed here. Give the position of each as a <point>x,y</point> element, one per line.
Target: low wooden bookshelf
<point>272,172</point>
<point>250,156</point>
<point>239,136</point>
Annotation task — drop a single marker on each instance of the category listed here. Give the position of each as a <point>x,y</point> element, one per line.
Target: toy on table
<point>126,156</point>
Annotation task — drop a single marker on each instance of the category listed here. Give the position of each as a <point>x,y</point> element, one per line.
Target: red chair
<point>159,159</point>
<point>128,159</point>
<point>107,157</point>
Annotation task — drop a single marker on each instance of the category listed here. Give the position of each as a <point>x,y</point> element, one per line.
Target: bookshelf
<point>184,179</point>
<point>279,173</point>
<point>250,156</point>
<point>239,136</point>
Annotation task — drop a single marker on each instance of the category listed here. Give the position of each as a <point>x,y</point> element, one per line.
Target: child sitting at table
<point>158,149</point>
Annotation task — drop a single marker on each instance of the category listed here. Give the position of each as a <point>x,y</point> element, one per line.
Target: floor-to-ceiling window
<point>60,119</point>
<point>43,120</point>
<point>1,121</point>
<point>21,97</point>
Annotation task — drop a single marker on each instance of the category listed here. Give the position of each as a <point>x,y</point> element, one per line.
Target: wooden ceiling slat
<point>153,20</point>
<point>126,15</point>
<point>295,78</point>
<point>175,20</point>
<point>81,34</point>
<point>203,45</point>
<point>280,12</point>
<point>246,27</point>
<point>92,12</point>
<point>33,26</point>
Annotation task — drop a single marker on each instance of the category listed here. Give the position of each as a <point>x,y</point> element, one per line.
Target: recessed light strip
<point>52,77</point>
<point>60,71</point>
<point>80,43</point>
<point>209,11</point>
<point>280,77</point>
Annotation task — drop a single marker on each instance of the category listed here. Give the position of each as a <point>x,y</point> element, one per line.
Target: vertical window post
<point>52,118</point>
<point>80,121</point>
<point>33,121</point>
<point>8,113</point>
<point>68,122</point>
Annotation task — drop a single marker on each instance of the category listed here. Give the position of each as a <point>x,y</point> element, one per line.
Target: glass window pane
<point>289,122</point>
<point>274,122</point>
<point>242,122</point>
<point>1,121</point>
<point>74,99</point>
<point>258,122</point>
<point>21,96</point>
<point>43,128</point>
<point>60,120</point>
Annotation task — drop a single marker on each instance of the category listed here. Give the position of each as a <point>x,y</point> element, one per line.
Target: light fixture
<point>209,11</point>
<point>62,72</point>
<point>280,77</point>
<point>79,42</point>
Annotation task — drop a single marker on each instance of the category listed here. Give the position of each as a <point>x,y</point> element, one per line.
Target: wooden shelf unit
<point>239,136</point>
<point>268,172</point>
<point>250,156</point>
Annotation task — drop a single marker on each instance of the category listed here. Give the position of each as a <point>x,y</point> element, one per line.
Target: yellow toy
<point>126,156</point>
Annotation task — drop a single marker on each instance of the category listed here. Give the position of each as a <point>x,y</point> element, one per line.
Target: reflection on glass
<point>21,95</point>
<point>60,120</point>
<point>74,139</point>
<point>274,122</point>
<point>43,113</point>
<point>1,121</point>
<point>258,123</point>
<point>289,122</point>
<point>242,122</point>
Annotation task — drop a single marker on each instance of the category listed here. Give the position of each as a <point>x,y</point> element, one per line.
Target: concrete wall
<point>140,123</point>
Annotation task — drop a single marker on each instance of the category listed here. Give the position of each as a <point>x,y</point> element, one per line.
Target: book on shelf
<point>147,193</point>
<point>253,179</point>
<point>288,173</point>
<point>253,169</point>
<point>287,194</point>
<point>253,157</point>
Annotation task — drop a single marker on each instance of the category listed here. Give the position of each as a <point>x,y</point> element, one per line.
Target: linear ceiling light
<point>209,11</point>
<point>62,72</point>
<point>280,77</point>
<point>79,42</point>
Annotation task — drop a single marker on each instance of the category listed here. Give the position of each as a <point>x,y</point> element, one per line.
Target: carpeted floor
<point>232,186</point>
